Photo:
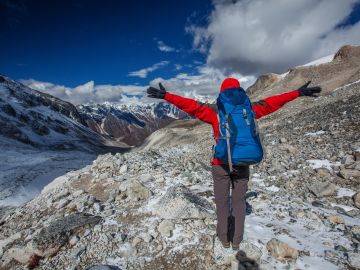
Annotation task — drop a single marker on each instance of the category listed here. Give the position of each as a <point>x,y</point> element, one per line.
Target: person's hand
<point>156,93</point>
<point>309,91</point>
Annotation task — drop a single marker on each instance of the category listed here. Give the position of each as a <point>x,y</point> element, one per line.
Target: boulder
<point>50,239</point>
<point>356,199</point>
<point>134,190</point>
<point>165,228</point>
<point>354,259</point>
<point>336,219</point>
<point>349,173</point>
<point>323,189</point>
<point>280,250</point>
<point>180,203</point>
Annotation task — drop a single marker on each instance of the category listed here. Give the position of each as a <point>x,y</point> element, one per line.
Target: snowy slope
<point>42,120</point>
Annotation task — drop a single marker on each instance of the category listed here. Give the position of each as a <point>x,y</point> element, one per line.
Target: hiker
<point>230,165</point>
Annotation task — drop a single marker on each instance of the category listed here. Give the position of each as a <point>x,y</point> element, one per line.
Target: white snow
<point>315,133</point>
<point>272,188</point>
<point>321,163</point>
<point>345,192</point>
<point>322,60</point>
<point>345,207</point>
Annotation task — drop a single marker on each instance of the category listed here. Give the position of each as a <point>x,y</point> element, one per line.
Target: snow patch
<point>345,192</point>
<point>315,133</point>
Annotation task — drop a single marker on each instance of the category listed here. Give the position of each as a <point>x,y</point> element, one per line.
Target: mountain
<point>44,121</point>
<point>153,207</point>
<point>41,137</point>
<point>130,124</point>
<point>328,72</point>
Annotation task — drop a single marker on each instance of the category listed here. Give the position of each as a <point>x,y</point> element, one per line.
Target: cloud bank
<point>258,36</point>
<point>89,92</point>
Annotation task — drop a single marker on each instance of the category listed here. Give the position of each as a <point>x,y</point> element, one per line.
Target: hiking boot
<point>225,244</point>
<point>235,246</point>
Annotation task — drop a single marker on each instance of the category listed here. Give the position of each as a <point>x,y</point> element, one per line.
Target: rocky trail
<point>153,208</point>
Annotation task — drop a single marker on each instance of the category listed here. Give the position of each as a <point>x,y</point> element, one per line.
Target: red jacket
<point>208,115</point>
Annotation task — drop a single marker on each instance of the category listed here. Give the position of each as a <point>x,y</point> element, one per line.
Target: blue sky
<point>72,42</point>
<point>94,51</point>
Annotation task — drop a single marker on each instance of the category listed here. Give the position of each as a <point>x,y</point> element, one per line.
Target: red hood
<point>229,83</point>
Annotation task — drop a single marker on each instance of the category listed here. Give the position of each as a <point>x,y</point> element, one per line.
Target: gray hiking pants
<point>222,185</point>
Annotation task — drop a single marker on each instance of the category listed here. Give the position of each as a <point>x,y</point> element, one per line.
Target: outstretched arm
<point>272,104</point>
<point>190,106</point>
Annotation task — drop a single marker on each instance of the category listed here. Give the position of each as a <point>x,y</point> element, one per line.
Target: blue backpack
<point>239,141</point>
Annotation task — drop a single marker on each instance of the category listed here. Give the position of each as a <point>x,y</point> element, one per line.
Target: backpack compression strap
<point>227,137</point>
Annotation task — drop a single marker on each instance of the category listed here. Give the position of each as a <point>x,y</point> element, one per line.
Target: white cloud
<point>143,73</point>
<point>89,92</point>
<point>204,86</point>
<point>165,48</point>
<point>258,36</point>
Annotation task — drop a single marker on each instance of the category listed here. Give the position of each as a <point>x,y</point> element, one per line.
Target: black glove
<point>309,91</point>
<point>156,93</point>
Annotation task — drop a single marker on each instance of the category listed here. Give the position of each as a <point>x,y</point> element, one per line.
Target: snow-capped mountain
<point>131,123</point>
<point>43,121</point>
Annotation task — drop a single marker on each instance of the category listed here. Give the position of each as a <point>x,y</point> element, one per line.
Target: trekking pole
<point>227,134</point>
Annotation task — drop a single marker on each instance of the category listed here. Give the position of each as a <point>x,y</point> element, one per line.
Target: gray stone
<point>354,259</point>
<point>180,203</point>
<point>51,238</point>
<point>280,250</point>
<point>356,199</point>
<point>134,190</point>
<point>165,228</point>
<point>323,189</point>
<point>349,173</point>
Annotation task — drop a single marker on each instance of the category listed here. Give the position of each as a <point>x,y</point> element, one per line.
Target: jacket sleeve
<point>192,107</point>
<point>271,104</point>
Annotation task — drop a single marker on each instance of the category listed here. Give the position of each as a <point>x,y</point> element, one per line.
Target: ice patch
<point>315,133</point>
<point>273,188</point>
<point>321,163</point>
<point>345,192</point>
<point>345,207</point>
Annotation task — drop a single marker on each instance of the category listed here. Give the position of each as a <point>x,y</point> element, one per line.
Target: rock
<point>136,241</point>
<point>323,172</point>
<point>19,254</point>
<point>97,207</point>
<point>349,173</point>
<point>355,230</point>
<point>103,267</point>
<point>356,199</point>
<point>323,189</point>
<point>134,190</point>
<point>51,238</point>
<point>7,241</point>
<point>62,203</point>
<point>252,252</point>
<point>126,250</point>
<point>280,250</point>
<point>283,140</point>
<point>123,169</point>
<point>73,240</point>
<point>336,219</point>
<point>354,259</point>
<point>349,159</point>
<point>180,203</point>
<point>165,228</point>
<point>357,155</point>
